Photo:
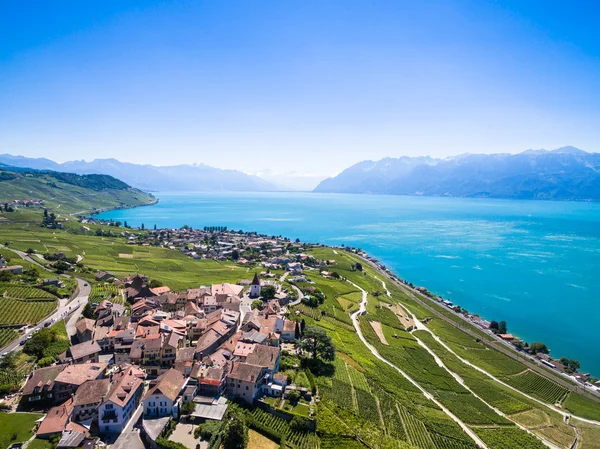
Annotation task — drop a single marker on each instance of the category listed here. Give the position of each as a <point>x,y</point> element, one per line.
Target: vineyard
<point>23,292</point>
<point>7,336</point>
<point>416,431</point>
<point>14,311</point>
<point>300,440</point>
<point>538,386</point>
<point>106,291</point>
<point>508,438</point>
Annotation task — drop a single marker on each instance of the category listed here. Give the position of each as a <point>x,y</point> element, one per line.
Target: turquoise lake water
<point>534,264</point>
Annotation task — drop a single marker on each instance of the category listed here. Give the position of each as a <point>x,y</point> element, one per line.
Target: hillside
<point>68,192</point>
<point>562,174</point>
<point>192,178</point>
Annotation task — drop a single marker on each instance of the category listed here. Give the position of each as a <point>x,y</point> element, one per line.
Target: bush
<point>294,396</point>
<point>299,424</point>
<point>45,361</point>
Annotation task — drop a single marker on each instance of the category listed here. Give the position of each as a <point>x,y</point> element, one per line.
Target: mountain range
<point>152,178</point>
<point>566,173</point>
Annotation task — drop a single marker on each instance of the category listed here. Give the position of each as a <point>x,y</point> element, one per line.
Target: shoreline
<point>404,284</point>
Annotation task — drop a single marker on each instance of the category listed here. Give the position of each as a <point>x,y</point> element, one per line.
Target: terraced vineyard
<point>537,386</point>
<point>300,440</point>
<point>27,311</point>
<point>23,292</point>
<point>7,336</point>
<point>101,292</point>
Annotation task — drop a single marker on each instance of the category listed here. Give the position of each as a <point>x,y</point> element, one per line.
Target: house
<point>55,421</point>
<point>14,269</point>
<point>88,351</point>
<point>506,337</point>
<point>164,396</point>
<point>275,385</point>
<point>39,388</point>
<point>102,276</point>
<point>266,356</point>
<point>87,399</point>
<point>226,289</point>
<point>73,376</point>
<point>255,287</point>
<point>124,396</point>
<point>245,381</point>
<point>53,282</point>
<point>84,330</point>
<point>289,330</point>
<point>160,290</point>
<point>211,381</point>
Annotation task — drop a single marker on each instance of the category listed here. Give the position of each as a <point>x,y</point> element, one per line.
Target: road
<point>129,438</point>
<point>423,301</point>
<point>75,306</point>
<point>66,306</point>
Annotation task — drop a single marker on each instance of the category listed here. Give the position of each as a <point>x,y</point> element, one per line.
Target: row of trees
<point>214,228</point>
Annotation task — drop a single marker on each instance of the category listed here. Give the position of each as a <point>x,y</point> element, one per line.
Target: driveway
<point>130,437</point>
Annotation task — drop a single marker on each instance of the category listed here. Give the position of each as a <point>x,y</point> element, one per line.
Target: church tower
<point>255,287</point>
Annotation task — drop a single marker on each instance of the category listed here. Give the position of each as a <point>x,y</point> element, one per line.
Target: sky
<point>303,87</point>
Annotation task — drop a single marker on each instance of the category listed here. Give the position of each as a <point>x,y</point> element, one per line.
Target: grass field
<point>257,441</point>
<point>16,427</point>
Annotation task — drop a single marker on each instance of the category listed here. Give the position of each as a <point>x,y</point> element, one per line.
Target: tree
<point>155,283</point>
<point>235,255</point>
<point>257,304</point>
<point>236,433</point>
<point>297,330</point>
<point>502,328</point>
<point>188,408</point>
<point>316,341</point>
<point>358,266</point>
<point>142,228</point>
<point>293,397</point>
<point>88,311</point>
<point>302,325</point>
<point>125,224</point>
<point>537,346</point>
<point>574,365</point>
<point>564,361</point>
<point>268,292</point>
<point>494,326</point>
<point>30,251</point>
<point>154,226</point>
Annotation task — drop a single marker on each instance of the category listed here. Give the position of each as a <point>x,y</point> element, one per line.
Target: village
<point>167,356</point>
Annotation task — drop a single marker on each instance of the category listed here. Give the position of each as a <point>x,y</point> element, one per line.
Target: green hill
<point>67,192</point>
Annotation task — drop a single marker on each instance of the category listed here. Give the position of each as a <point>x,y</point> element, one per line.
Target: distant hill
<point>68,192</point>
<point>566,173</point>
<point>153,178</point>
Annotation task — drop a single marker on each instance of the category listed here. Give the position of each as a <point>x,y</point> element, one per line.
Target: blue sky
<point>306,86</point>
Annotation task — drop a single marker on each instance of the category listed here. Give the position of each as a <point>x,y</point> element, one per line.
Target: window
<point>109,406</point>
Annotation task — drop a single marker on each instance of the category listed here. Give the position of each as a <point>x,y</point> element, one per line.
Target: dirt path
<point>355,322</point>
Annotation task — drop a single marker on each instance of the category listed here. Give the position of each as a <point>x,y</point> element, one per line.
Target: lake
<point>533,264</point>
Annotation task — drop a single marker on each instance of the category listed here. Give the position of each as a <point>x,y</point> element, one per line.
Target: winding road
<point>72,306</point>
